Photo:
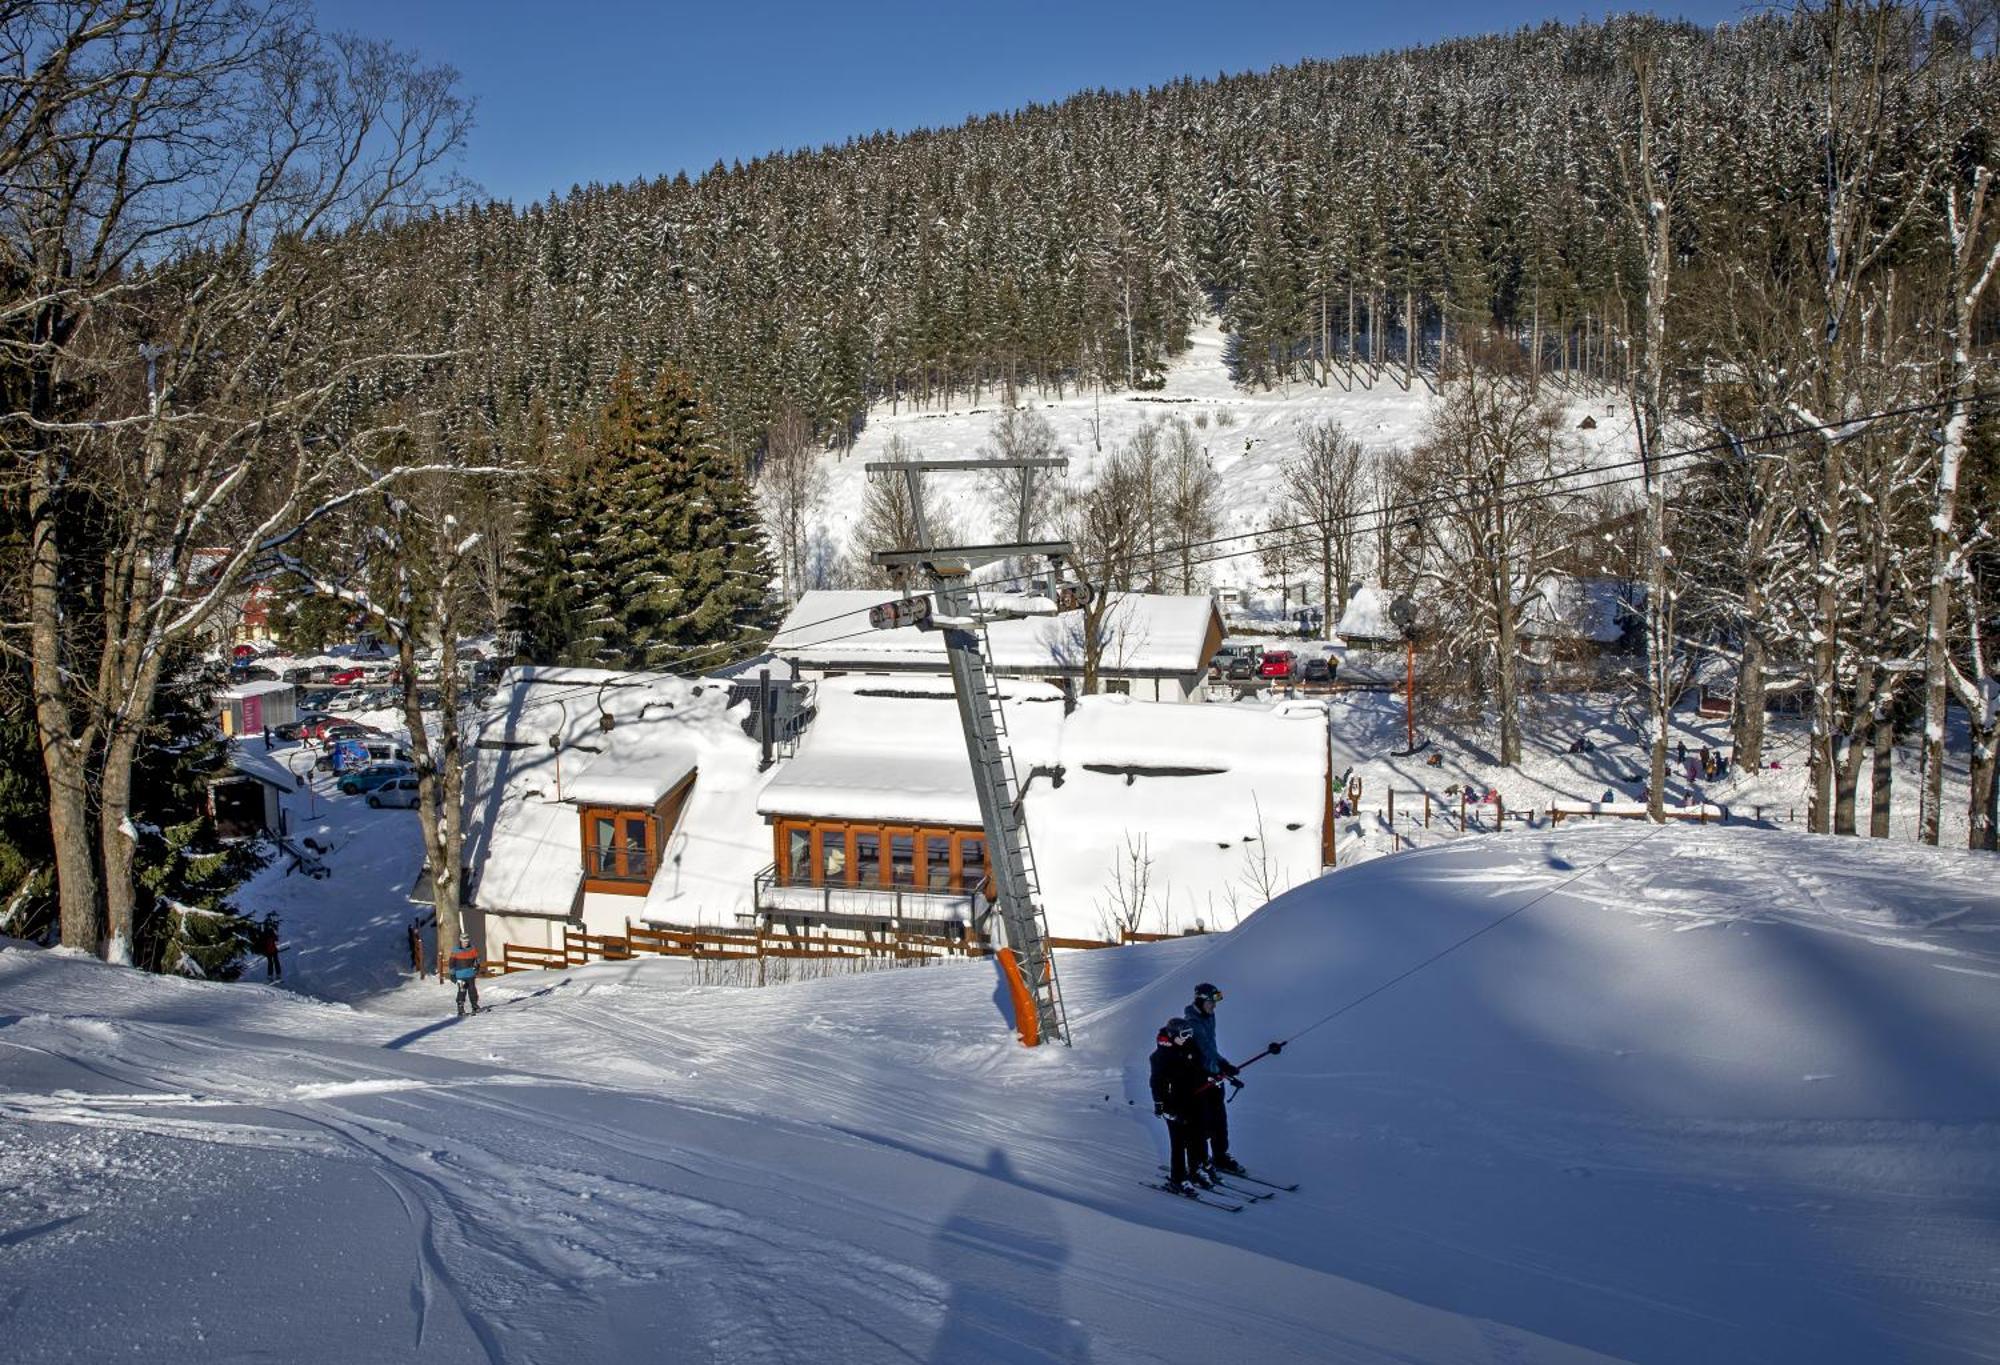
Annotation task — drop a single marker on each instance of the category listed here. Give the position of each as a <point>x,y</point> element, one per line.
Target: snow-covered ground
<point>1249,435</point>
<point>1369,728</point>
<point>1665,1095</point>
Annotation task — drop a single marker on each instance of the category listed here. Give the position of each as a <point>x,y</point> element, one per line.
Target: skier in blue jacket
<point>1215,1112</point>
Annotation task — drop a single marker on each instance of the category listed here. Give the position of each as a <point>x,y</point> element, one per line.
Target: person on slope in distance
<point>1200,1017</point>
<point>1180,1082</point>
<point>463,964</point>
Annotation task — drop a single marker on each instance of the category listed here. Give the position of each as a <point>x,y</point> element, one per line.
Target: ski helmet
<point>1207,993</point>
<point>1175,1032</point>
<point>464,939</point>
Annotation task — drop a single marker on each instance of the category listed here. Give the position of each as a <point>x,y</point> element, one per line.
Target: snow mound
<point>1671,1094</point>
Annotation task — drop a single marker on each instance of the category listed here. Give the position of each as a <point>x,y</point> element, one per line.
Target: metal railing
<point>778,897</point>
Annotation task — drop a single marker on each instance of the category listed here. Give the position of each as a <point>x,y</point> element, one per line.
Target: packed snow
<point>1613,1091</point>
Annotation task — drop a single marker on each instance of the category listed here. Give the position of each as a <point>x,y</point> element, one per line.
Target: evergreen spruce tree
<point>187,919</point>
<point>681,564</point>
<point>556,517</point>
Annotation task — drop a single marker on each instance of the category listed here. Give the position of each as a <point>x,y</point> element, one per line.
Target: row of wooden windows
<point>926,858</point>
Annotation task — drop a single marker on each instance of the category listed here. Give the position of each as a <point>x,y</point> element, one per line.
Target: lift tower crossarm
<point>951,466</point>
<point>971,556</point>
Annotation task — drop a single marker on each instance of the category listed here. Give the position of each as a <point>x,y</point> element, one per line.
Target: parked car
<point>254,673</point>
<point>400,792</point>
<point>359,780</point>
<point>312,725</point>
<point>348,699</point>
<point>1280,664</point>
<point>347,677</point>
<point>243,652</point>
<point>1316,670</point>
<point>1242,668</point>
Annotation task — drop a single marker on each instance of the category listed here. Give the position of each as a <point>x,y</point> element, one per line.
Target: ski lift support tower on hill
<point>953,607</point>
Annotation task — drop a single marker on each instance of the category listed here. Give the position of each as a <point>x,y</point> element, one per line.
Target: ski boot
<point>1227,1165</point>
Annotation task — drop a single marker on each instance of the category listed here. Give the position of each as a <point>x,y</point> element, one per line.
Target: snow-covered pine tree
<point>680,565</point>
<point>554,520</point>
<point>719,568</point>
<point>186,919</point>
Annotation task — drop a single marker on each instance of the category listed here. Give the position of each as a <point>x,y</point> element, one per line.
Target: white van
<point>400,793</point>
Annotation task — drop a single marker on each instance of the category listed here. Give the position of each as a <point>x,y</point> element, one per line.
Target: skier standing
<point>463,964</point>
<point>1200,1018</point>
<point>1180,1082</point>
<point>267,946</point>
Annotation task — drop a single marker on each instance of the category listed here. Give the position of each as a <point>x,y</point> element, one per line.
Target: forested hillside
<point>1337,212</point>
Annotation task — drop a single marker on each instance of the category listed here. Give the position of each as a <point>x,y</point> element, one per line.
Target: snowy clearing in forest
<point>1677,1094</point>
<point>1249,435</point>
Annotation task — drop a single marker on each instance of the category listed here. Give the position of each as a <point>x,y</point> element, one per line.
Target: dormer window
<point>623,841</point>
<point>622,845</point>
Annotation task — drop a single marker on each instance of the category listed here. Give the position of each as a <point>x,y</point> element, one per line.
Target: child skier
<point>1179,1080</point>
<point>463,964</point>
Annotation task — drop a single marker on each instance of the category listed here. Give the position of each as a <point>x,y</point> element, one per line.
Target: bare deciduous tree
<point>1324,490</point>
<point>1477,553</point>
<point>189,353</point>
<point>792,486</point>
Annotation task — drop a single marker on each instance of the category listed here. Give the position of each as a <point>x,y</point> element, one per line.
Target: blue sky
<point>571,91</point>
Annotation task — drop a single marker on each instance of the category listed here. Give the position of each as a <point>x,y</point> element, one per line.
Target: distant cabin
<point>245,797</point>
<point>1152,646</point>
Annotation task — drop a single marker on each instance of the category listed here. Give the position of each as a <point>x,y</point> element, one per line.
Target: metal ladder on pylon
<point>1038,964</point>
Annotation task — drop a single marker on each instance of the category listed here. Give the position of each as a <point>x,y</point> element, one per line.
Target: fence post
<point>1499,811</point>
<point>1392,808</point>
<point>1427,810</point>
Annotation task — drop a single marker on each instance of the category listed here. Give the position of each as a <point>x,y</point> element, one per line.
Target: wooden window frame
<point>930,845</point>
<point>662,819</point>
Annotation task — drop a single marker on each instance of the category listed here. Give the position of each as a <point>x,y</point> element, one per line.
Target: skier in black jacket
<point>1179,1078</point>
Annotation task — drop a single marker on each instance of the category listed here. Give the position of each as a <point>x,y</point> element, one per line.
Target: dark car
<point>1315,671</point>
<point>1242,668</point>
<point>369,778</point>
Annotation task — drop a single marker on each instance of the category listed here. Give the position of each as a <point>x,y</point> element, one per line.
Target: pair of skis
<point>1227,1190</point>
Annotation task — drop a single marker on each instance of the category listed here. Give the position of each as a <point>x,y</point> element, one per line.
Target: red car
<point>347,677</point>
<point>1279,663</point>
<point>243,652</point>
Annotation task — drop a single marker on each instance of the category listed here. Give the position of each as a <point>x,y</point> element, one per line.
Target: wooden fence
<point>580,948</point>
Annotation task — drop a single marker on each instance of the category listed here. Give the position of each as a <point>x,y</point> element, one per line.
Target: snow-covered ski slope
<point>1694,1094</point>
<point>1249,435</point>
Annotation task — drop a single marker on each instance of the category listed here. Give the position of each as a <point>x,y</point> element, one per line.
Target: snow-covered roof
<point>1146,634</point>
<point>1565,608</point>
<point>524,840</point>
<point>1223,803</point>
<point>891,748</point>
<point>243,691</point>
<point>1221,806</point>
<point>262,766</point>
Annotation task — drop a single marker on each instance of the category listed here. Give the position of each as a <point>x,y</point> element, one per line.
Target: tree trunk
<point>1983,790</point>
<point>1326,584</point>
<point>116,838</point>
<point>1884,773</point>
